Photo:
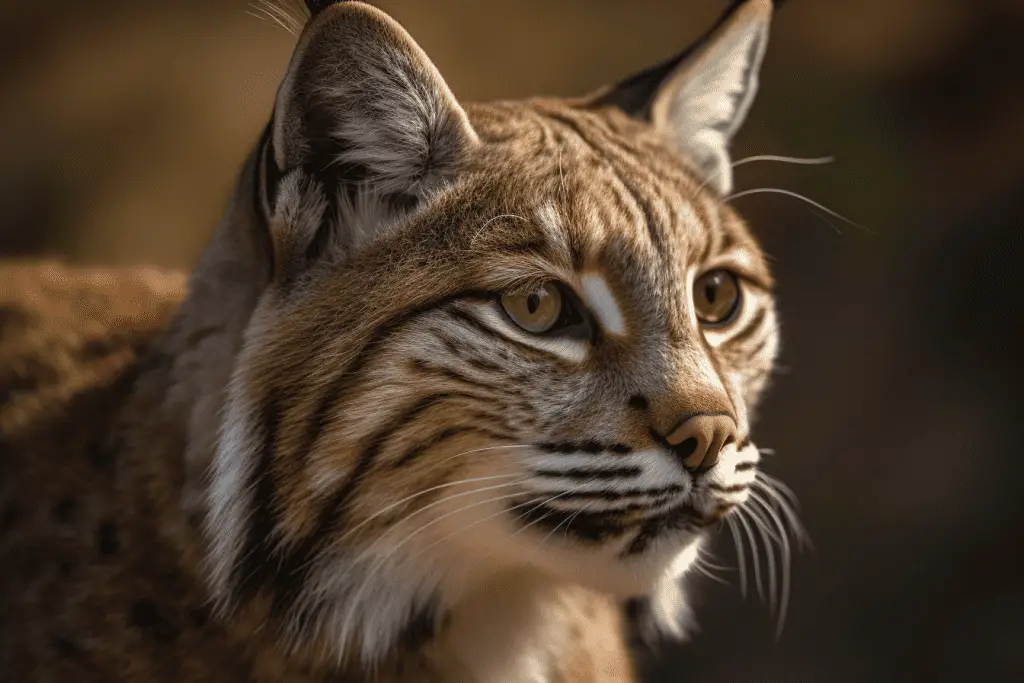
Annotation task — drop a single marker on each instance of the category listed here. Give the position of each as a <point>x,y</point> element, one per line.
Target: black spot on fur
<point>149,618</point>
<point>108,540</point>
<point>65,510</point>
<point>66,568</point>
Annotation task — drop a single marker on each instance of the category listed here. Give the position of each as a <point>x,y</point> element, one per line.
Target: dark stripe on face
<point>650,221</point>
<point>294,568</point>
<point>483,328</point>
<point>609,496</point>
<point>746,466</point>
<point>434,441</point>
<point>736,488</point>
<point>751,328</point>
<point>584,447</point>
<point>424,367</point>
<point>759,348</point>
<point>679,519</point>
<point>584,474</point>
<point>589,527</point>
<point>328,403</point>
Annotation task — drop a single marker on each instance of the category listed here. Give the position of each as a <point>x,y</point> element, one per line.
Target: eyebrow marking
<point>603,303</point>
<point>551,223</point>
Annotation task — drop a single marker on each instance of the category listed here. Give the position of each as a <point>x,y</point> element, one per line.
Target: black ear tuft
<point>317,6</point>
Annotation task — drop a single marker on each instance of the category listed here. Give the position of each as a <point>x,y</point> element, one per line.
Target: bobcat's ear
<point>364,126</point>
<point>701,96</point>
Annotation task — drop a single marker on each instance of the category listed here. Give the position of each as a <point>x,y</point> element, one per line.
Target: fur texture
<point>342,456</point>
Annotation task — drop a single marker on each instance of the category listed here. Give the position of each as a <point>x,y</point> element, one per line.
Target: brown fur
<point>180,474</point>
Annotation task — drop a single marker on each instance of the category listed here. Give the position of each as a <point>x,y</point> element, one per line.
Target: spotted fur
<point>341,455</point>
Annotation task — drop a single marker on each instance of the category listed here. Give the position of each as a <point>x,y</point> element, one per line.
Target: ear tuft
<point>317,6</point>
<point>701,97</point>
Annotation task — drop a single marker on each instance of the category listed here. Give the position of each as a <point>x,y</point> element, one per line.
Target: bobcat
<point>450,387</point>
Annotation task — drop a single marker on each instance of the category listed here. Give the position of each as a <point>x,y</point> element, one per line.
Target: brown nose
<point>699,439</point>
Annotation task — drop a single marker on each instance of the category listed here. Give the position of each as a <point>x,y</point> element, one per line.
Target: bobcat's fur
<point>335,457</point>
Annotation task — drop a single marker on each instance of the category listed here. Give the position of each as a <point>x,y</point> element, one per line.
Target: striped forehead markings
<point>602,302</point>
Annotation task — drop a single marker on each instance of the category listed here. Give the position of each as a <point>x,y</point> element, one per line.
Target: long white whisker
<point>767,515</point>
<point>741,558</point>
<point>807,161</point>
<point>769,539</point>
<point>786,562</point>
<point>804,161</point>
<point>266,18</point>
<point>294,23</point>
<point>348,532</point>
<point>785,501</point>
<point>483,227</point>
<point>754,558</point>
<point>568,523</point>
<point>797,195</point>
<point>420,510</point>
<point>481,450</point>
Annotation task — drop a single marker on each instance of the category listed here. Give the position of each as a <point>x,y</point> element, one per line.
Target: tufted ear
<point>364,127</point>
<point>701,96</point>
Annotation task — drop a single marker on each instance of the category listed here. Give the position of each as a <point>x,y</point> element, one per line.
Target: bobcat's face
<point>516,337</point>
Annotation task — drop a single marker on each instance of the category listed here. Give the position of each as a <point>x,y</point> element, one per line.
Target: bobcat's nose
<point>699,439</point>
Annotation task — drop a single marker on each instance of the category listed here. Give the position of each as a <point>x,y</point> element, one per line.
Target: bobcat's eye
<point>717,297</point>
<point>538,311</point>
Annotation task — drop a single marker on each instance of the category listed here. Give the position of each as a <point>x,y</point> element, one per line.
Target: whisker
<point>770,540</point>
<point>797,195</point>
<point>268,16</point>
<point>568,523</point>
<point>754,557</point>
<point>265,18</point>
<point>295,23</point>
<point>481,450</point>
<point>786,563</point>
<point>449,484</point>
<point>415,512</point>
<point>785,501</point>
<point>782,544</point>
<point>741,559</point>
<point>483,227</point>
<point>805,161</point>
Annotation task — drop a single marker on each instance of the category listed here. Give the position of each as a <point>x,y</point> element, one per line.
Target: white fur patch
<point>228,494</point>
<point>603,304</point>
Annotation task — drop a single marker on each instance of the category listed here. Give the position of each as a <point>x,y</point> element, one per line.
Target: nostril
<point>686,448</point>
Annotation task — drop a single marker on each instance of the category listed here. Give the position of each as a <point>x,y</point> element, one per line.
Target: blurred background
<point>896,410</point>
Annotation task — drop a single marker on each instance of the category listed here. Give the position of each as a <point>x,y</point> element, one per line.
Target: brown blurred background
<point>895,414</point>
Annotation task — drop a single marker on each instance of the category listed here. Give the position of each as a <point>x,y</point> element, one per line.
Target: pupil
<point>711,293</point>
<point>533,303</point>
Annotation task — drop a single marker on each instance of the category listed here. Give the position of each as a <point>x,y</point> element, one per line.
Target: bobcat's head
<point>519,338</point>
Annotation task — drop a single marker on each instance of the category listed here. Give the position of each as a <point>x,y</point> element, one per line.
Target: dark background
<point>895,413</point>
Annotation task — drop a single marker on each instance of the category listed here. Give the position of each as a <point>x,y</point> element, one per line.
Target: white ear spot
<point>602,302</point>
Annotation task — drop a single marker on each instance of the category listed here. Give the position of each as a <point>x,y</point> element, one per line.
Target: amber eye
<point>716,297</point>
<point>537,311</point>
